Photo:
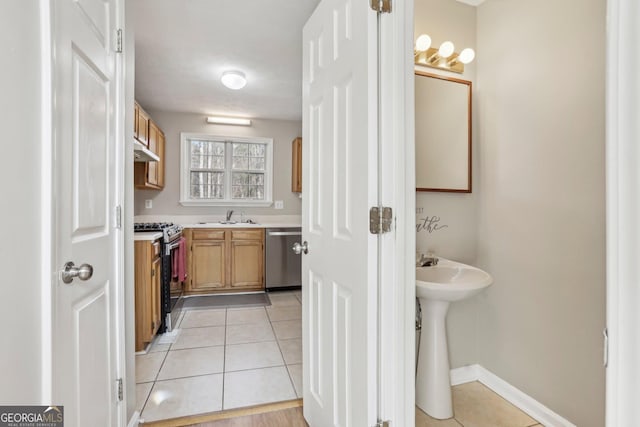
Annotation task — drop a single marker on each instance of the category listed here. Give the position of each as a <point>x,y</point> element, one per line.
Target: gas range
<point>170,231</point>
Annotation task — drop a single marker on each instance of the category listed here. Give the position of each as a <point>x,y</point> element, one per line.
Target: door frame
<point>623,213</point>
<point>396,315</point>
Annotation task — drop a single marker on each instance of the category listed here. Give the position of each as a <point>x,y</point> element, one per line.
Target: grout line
<point>224,358</point>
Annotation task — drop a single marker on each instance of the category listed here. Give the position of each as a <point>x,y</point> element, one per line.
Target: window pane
<point>240,149</point>
<point>240,163</point>
<point>256,150</point>
<point>256,163</point>
<point>207,185</point>
<point>207,155</point>
<point>239,178</point>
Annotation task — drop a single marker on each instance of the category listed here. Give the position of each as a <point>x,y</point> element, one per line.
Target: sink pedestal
<point>433,384</point>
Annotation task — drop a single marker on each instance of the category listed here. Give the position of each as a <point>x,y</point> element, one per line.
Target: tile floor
<point>223,359</point>
<point>474,405</point>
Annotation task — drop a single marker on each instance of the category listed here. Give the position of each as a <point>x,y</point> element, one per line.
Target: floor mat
<point>226,301</point>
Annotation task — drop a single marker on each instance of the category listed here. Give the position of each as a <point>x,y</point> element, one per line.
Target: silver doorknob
<point>300,248</point>
<point>70,272</point>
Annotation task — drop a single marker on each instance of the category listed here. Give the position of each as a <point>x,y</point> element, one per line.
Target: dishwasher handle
<point>284,233</point>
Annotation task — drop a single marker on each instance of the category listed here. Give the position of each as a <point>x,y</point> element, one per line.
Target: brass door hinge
<point>381,6</point>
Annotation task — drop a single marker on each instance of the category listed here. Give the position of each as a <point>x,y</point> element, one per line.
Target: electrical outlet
<point>148,204</point>
<point>279,204</point>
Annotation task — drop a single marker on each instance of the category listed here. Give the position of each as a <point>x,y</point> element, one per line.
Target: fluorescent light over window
<point>217,120</point>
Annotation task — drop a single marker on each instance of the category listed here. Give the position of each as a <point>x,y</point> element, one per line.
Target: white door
<point>339,186</point>
<point>84,338</point>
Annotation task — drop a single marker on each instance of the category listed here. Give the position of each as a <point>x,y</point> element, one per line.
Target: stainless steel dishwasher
<point>283,268</point>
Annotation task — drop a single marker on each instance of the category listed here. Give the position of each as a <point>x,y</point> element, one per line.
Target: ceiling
<point>184,46</point>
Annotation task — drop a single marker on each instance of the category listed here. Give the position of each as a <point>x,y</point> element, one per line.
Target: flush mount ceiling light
<point>233,79</point>
<point>218,120</point>
<point>443,57</point>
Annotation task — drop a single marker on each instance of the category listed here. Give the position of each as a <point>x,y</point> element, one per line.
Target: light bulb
<point>423,43</point>
<point>446,49</point>
<point>233,79</point>
<point>467,55</point>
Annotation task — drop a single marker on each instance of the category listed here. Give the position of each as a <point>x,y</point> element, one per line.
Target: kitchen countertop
<point>147,235</point>
<point>213,221</point>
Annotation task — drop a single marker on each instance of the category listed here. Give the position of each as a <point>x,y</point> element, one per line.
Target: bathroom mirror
<point>443,133</point>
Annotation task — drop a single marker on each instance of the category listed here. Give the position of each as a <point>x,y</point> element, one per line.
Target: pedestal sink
<point>438,286</point>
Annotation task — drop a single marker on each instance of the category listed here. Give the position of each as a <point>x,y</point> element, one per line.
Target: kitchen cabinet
<point>223,260</point>
<point>149,175</point>
<point>296,165</point>
<point>148,275</point>
<point>141,120</point>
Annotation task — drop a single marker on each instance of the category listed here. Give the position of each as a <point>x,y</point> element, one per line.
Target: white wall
<point>165,202</point>
<point>542,205</point>
<point>454,234</point>
<point>20,164</point>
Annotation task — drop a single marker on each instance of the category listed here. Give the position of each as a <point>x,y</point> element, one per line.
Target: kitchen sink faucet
<point>229,213</point>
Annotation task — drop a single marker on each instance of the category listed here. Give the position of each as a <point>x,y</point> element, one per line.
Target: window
<point>225,171</point>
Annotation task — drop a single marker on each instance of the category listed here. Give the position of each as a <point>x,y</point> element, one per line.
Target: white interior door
<point>84,344</point>
<point>340,183</point>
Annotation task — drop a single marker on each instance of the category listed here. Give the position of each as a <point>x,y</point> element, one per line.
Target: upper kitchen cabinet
<point>296,165</point>
<point>149,175</point>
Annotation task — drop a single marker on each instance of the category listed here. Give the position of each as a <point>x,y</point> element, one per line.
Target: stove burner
<point>170,231</point>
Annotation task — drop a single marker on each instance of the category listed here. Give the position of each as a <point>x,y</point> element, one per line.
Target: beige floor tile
<point>142,392</point>
<point>242,334</point>
<point>199,337</point>
<point>474,405</point>
<point>148,365</point>
<point>242,316</point>
<point>284,312</point>
<point>199,318</point>
<point>255,355</point>
<point>158,347</point>
<point>288,329</point>
<point>258,386</point>
<point>295,372</point>
<point>184,396</point>
<point>283,298</point>
<point>424,420</point>
<point>192,362</point>
<point>291,350</point>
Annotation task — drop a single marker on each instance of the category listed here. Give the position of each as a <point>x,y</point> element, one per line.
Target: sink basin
<point>450,281</point>
<point>437,287</point>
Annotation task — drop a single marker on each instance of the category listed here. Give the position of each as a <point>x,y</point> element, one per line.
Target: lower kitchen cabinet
<point>223,260</point>
<point>148,276</point>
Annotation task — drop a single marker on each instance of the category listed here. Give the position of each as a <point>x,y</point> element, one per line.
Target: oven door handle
<point>172,246</point>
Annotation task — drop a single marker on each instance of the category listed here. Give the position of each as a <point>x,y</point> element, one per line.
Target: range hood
<point>143,154</point>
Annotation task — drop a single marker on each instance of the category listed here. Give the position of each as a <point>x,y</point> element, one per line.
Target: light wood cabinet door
<point>247,264</point>
<point>160,165</point>
<point>148,278</point>
<point>208,265</point>
<point>152,167</point>
<point>155,302</point>
<point>296,165</point>
<point>142,132</point>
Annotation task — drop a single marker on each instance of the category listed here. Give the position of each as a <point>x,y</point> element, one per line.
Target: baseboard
<point>135,419</point>
<point>519,399</point>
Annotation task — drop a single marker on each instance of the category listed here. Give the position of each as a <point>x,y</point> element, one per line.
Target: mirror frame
<point>469,122</point>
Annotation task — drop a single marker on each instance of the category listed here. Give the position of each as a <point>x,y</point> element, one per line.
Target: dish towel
<point>179,261</point>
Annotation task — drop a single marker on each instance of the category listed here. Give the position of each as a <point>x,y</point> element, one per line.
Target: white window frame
<point>185,168</point>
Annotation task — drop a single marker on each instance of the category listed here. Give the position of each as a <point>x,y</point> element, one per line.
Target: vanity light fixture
<point>443,57</point>
<point>218,120</point>
<point>234,79</point>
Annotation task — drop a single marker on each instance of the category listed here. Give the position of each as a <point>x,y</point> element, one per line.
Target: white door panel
<point>339,186</point>
<point>85,343</point>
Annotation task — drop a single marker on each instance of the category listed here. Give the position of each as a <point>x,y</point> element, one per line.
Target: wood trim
<point>225,415</point>
<point>296,165</point>
<point>469,124</point>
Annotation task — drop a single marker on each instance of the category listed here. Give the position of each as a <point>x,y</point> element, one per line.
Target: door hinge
<point>118,217</point>
<point>120,392</point>
<point>118,48</point>
<point>380,219</point>
<point>383,424</point>
<point>605,356</point>
<point>381,6</point>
